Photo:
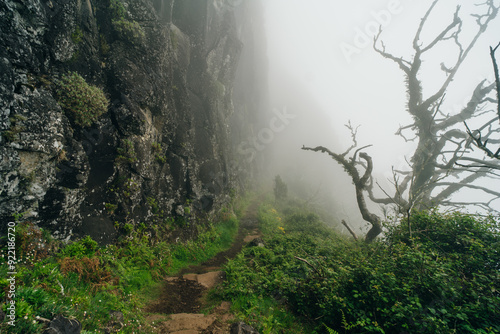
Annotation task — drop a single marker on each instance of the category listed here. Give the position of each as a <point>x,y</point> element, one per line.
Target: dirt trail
<point>177,309</point>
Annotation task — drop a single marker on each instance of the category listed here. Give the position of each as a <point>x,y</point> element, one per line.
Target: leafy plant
<point>153,203</point>
<point>126,153</point>
<point>77,35</point>
<point>131,29</point>
<point>83,103</point>
<point>110,208</point>
<point>160,158</point>
<point>157,151</point>
<point>330,331</point>
<point>442,278</point>
<point>127,28</point>
<point>128,227</point>
<point>117,9</point>
<point>83,248</point>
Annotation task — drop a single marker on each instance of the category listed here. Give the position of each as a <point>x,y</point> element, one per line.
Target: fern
<point>330,331</point>
<point>345,325</point>
<point>349,326</point>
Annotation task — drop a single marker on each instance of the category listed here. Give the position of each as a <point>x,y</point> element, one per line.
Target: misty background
<point>323,73</point>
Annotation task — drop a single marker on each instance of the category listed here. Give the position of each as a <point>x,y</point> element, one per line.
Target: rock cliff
<point>160,153</point>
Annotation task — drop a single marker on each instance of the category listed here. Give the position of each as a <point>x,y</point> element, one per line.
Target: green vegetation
<point>129,29</point>
<point>161,159</point>
<point>77,35</point>
<point>83,103</point>
<point>12,133</point>
<point>104,45</point>
<point>153,203</point>
<point>445,278</point>
<point>130,187</point>
<point>86,281</point>
<point>126,153</point>
<point>158,153</point>
<point>110,207</point>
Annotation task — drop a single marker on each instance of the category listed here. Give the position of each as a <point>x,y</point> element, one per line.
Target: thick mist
<point>323,73</point>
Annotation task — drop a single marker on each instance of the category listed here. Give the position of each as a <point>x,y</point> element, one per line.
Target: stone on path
<point>208,280</point>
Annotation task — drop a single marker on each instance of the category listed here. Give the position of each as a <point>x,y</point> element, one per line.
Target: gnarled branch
<point>360,184</point>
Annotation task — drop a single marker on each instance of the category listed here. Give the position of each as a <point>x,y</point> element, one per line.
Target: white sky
<point>305,38</point>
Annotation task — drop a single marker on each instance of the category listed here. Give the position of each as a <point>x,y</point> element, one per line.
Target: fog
<point>323,72</point>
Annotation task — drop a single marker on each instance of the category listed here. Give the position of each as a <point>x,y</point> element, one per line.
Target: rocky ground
<point>178,308</point>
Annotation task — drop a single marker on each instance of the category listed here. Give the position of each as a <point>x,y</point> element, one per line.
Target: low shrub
<point>83,103</point>
<point>128,29</point>
<point>444,278</point>
<point>82,248</point>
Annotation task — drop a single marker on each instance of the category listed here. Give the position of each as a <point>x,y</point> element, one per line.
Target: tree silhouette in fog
<point>441,164</point>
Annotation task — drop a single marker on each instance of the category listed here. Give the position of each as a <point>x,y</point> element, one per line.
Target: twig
<point>497,77</point>
<point>350,230</point>
<point>309,264</point>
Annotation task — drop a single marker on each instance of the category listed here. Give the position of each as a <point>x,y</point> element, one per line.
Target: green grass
<point>85,281</point>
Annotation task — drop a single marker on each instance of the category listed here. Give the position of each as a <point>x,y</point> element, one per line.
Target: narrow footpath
<point>177,310</point>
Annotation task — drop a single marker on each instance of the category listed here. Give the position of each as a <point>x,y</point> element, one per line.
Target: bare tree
<point>440,164</point>
<point>480,140</point>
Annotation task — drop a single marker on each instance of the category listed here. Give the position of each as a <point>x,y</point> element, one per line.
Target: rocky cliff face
<point>160,154</point>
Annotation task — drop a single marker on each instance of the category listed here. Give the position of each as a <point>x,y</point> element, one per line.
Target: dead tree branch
<point>482,144</point>
<point>435,136</point>
<point>497,76</point>
<point>360,184</point>
<point>309,264</point>
<point>350,230</point>
<point>436,170</point>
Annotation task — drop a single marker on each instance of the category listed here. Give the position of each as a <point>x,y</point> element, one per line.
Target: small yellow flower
<point>281,229</point>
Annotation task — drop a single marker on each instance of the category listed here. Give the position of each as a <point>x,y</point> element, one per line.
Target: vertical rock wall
<point>160,154</point>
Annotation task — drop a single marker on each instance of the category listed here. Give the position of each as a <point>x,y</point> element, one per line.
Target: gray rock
<point>242,328</point>
<point>62,325</point>
<point>257,242</point>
